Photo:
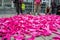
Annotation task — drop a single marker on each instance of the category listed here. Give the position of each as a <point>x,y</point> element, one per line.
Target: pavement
<point>7,12</point>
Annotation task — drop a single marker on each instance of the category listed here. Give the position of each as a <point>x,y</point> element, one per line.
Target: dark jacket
<point>58,8</point>
<point>53,4</point>
<point>17,1</point>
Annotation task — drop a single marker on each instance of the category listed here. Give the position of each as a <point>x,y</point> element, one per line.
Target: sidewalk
<point>7,12</point>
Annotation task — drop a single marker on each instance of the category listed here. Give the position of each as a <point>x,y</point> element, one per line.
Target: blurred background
<point>8,9</point>
<point>7,6</point>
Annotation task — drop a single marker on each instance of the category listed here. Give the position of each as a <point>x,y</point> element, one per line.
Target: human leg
<point>17,7</point>
<point>39,8</point>
<point>35,8</point>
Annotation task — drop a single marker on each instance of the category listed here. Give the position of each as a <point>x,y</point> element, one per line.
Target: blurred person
<point>18,4</point>
<point>23,7</point>
<point>47,11</point>
<point>48,7</point>
<point>37,6</point>
<point>58,10</point>
<point>53,5</point>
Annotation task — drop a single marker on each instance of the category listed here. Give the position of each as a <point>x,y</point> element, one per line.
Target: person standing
<point>53,5</point>
<point>37,6</point>
<point>58,10</point>
<point>47,10</point>
<point>18,5</point>
<point>48,7</point>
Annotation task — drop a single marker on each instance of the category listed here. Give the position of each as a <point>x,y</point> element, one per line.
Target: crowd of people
<point>20,7</point>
